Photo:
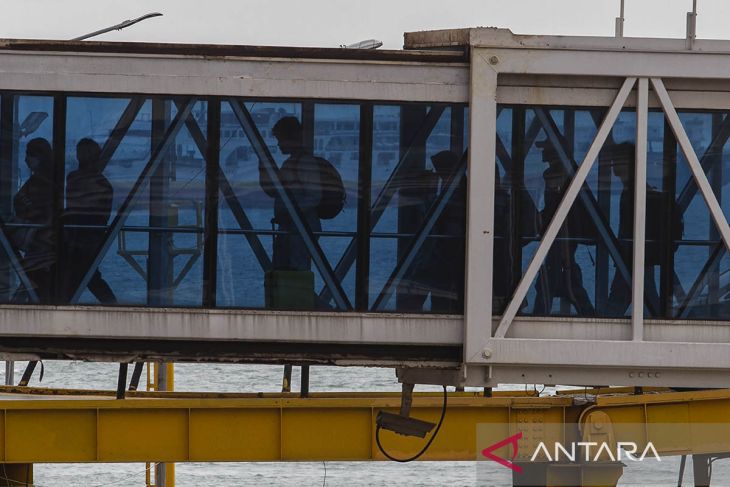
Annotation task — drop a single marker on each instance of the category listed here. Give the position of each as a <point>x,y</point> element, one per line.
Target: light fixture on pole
<point>120,26</point>
<point>366,44</point>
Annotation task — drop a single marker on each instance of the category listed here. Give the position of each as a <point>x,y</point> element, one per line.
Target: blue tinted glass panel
<point>418,210</point>
<point>588,265</point>
<point>153,256</point>
<point>28,258</point>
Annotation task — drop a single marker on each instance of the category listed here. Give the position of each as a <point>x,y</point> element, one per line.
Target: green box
<point>289,289</point>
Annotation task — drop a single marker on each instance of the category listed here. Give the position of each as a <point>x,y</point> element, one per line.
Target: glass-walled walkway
<point>588,269</point>
<point>232,203</point>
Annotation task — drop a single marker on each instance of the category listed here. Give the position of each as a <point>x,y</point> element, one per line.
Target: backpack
<point>333,191</point>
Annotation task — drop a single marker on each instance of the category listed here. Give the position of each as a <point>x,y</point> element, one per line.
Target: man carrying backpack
<point>313,184</point>
<point>300,176</point>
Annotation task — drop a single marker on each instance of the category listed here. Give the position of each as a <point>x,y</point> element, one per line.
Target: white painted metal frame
<point>591,350</point>
<point>237,77</point>
<point>504,69</point>
<point>562,212</point>
<point>637,281</point>
<point>480,210</point>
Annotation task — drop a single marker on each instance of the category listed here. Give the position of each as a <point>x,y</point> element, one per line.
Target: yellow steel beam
<point>54,426</point>
<point>677,423</point>
<point>258,428</point>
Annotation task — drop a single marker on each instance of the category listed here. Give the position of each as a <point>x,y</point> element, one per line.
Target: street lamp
<point>119,26</point>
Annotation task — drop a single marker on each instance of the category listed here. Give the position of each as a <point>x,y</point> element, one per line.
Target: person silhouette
<point>33,204</point>
<point>448,251</point>
<point>560,275</point>
<point>89,197</point>
<point>300,176</point>
<point>623,157</point>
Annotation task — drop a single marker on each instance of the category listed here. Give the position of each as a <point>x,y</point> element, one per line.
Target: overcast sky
<point>330,23</point>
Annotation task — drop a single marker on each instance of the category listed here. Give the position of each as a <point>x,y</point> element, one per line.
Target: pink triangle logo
<point>512,440</point>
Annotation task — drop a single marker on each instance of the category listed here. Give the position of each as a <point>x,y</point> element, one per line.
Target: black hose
<point>423,450</point>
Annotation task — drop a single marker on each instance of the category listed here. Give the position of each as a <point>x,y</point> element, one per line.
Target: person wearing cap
<point>560,275</point>
<point>623,158</point>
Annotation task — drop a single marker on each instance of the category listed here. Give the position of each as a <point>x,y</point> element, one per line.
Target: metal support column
<point>212,170</point>
<point>364,176</point>
<point>410,216</point>
<point>165,381</point>
<point>669,181</point>
<point>160,263</point>
<point>58,295</point>
<point>8,181</point>
<point>637,300</point>
<point>480,206</point>
<point>702,470</point>
<point>517,191</point>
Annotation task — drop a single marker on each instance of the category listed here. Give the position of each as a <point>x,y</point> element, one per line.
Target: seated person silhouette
<point>300,176</point>
<point>89,196</point>
<point>33,204</point>
<point>560,275</point>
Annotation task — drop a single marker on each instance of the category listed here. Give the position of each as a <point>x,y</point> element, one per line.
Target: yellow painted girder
<point>677,423</point>
<point>61,426</point>
<point>255,428</point>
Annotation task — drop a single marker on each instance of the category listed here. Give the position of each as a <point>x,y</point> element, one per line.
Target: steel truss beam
<point>566,203</point>
<point>315,251</point>
<point>141,183</point>
<point>434,213</point>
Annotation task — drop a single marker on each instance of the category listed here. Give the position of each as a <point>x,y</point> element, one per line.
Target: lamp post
<point>120,26</point>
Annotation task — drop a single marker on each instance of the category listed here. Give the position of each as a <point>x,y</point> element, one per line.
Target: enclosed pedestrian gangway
<point>479,208</point>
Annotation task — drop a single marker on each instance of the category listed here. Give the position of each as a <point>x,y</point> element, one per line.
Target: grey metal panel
<point>603,353</point>
<point>589,376</point>
<point>324,79</point>
<point>204,325</point>
<point>564,328</point>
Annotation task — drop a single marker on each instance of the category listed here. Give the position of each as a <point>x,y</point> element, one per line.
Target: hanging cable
<point>425,448</point>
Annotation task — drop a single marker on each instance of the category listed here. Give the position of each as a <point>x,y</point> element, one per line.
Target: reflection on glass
<point>307,218</point>
<point>26,202</point>
<point>587,271</point>
<point>418,210</point>
<point>154,255</point>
